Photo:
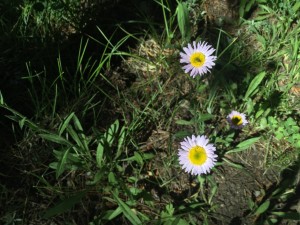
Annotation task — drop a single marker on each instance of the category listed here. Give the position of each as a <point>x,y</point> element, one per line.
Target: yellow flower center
<point>237,120</point>
<point>197,155</point>
<point>197,59</point>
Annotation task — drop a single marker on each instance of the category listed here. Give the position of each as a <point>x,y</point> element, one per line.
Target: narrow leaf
<point>296,7</point>
<point>183,21</point>
<point>99,154</point>
<point>65,124</point>
<point>263,207</point>
<point>288,215</point>
<point>120,142</point>
<point>205,117</point>
<point>254,84</point>
<point>138,158</point>
<point>128,213</point>
<point>55,138</point>
<point>78,127</point>
<point>61,164</point>
<point>64,205</point>
<point>111,133</point>
<point>243,145</point>
<point>77,123</point>
<point>75,136</point>
<point>236,165</point>
<point>242,8</point>
<point>185,122</point>
<point>247,143</point>
<point>1,99</point>
<point>111,214</point>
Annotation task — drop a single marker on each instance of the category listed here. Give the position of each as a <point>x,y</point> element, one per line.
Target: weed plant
<point>100,143</point>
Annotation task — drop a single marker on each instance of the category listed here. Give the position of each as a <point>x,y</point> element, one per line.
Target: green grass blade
<point>288,215</point>
<point>112,132</point>
<point>111,214</point>
<point>244,145</point>
<point>1,99</point>
<point>247,143</point>
<point>120,142</point>
<point>77,123</point>
<point>183,21</point>
<point>296,7</point>
<point>99,154</point>
<point>65,124</point>
<point>56,139</point>
<point>61,164</point>
<point>262,208</point>
<point>64,205</point>
<point>235,165</point>
<point>254,84</point>
<point>128,213</point>
<point>54,101</point>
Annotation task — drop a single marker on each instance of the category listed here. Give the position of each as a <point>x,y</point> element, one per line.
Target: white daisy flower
<point>199,58</point>
<point>196,155</point>
<point>237,120</point>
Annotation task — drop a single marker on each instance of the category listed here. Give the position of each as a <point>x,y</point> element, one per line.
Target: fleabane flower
<point>196,155</point>
<point>237,120</point>
<point>198,57</point>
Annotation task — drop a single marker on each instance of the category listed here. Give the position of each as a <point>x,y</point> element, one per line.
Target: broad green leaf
<point>249,5</point>
<point>250,106</point>
<point>120,142</point>
<point>242,8</point>
<point>99,154</point>
<point>283,186</point>
<point>262,208</point>
<point>236,165</point>
<point>61,164</point>
<point>112,132</point>
<point>296,7</point>
<point>1,99</point>
<point>243,145</point>
<point>254,84</point>
<point>147,156</point>
<point>112,178</point>
<point>212,193</point>
<point>263,123</point>
<point>77,123</point>
<point>170,209</point>
<point>111,214</point>
<point>22,122</point>
<point>272,121</point>
<point>183,21</point>
<point>80,134</point>
<point>75,136</point>
<point>288,215</point>
<point>65,124</point>
<point>259,113</point>
<point>247,143</point>
<point>64,205</point>
<point>138,158</point>
<point>205,117</point>
<point>185,122</point>
<point>128,213</point>
<point>56,139</point>
<point>53,165</point>
<point>181,134</point>
<point>271,221</point>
